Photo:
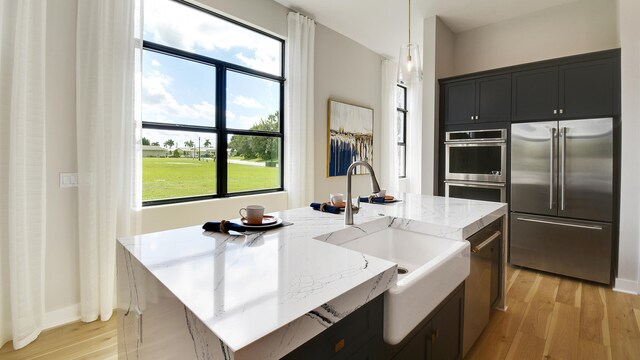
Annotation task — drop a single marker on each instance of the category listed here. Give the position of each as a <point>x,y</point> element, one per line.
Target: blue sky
<point>180,91</point>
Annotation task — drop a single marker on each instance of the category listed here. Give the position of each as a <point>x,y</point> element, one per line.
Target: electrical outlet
<point>68,180</point>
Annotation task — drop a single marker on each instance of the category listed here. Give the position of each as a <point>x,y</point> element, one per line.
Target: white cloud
<point>159,105</point>
<point>155,63</point>
<point>246,102</point>
<point>243,122</point>
<point>179,26</point>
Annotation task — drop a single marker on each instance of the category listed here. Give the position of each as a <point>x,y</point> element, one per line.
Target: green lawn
<point>177,177</point>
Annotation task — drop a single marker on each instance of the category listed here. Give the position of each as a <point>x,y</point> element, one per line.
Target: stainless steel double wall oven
<point>476,164</point>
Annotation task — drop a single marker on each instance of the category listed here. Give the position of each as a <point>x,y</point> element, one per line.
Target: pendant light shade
<point>409,68</point>
<point>409,64</point>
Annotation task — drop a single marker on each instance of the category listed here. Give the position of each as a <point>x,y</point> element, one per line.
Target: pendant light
<point>409,67</point>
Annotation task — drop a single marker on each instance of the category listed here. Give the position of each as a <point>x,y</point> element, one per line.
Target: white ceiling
<point>381,25</point>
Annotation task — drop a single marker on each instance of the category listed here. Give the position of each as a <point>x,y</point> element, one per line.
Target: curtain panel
<point>22,169</point>
<point>107,145</point>
<point>299,122</point>
<point>389,160</point>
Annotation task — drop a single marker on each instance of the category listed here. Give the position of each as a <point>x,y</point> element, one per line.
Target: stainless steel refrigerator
<point>562,197</point>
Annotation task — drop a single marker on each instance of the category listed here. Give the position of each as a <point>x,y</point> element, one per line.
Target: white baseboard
<point>61,316</point>
<point>626,286</point>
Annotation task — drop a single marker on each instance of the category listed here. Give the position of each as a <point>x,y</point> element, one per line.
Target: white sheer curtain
<point>107,145</point>
<point>389,158</point>
<point>299,144</point>
<point>22,169</point>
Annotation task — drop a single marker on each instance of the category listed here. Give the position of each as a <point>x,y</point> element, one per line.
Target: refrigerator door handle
<point>591,227</point>
<point>552,157</point>
<point>563,159</point>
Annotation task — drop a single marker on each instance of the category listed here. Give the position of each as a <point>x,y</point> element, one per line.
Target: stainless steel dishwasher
<point>481,286</point>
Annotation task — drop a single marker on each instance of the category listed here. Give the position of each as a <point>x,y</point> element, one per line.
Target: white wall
<point>574,28</point>
<point>629,262</point>
<point>438,63</point>
<point>61,258</point>
<point>348,72</point>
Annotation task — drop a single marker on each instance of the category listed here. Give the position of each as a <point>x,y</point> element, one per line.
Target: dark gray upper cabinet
<point>535,94</point>
<point>587,89</point>
<point>485,99</point>
<point>493,98</point>
<point>460,102</point>
<point>583,89</point>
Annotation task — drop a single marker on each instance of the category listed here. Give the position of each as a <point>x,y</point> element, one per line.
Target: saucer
<point>267,221</point>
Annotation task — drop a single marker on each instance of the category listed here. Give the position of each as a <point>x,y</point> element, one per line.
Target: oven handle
<point>476,143</point>
<point>476,185</point>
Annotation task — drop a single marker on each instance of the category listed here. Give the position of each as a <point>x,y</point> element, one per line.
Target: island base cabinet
<point>357,336</point>
<point>439,336</point>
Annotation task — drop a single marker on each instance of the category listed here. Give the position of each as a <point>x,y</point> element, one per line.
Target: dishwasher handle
<point>479,247</point>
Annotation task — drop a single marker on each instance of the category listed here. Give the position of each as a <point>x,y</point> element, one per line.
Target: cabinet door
<point>460,102</point>
<point>446,335</point>
<point>535,94</point>
<point>586,89</point>
<point>416,349</point>
<point>494,98</point>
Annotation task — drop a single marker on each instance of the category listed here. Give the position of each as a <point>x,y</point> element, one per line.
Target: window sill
<point>171,216</point>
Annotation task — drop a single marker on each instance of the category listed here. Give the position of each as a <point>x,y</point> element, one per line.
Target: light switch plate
<point>68,180</point>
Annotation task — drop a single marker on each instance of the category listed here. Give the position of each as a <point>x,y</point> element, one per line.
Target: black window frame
<point>220,129</point>
<point>404,111</point>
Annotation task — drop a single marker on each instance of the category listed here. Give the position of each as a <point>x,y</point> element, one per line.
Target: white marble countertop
<point>247,287</point>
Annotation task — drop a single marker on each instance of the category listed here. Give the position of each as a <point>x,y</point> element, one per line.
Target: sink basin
<point>434,266</point>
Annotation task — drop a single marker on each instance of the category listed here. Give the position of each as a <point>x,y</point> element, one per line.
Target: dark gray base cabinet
<point>438,337</point>
<point>359,335</point>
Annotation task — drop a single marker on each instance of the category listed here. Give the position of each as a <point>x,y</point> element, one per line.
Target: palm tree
<point>207,143</point>
<point>169,143</point>
<point>190,144</point>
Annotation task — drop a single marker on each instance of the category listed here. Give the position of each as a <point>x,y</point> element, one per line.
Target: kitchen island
<point>191,294</point>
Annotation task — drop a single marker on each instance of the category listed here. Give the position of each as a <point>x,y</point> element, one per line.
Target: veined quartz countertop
<point>246,288</point>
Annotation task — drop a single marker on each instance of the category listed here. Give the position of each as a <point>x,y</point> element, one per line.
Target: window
<point>401,116</point>
<point>212,100</point>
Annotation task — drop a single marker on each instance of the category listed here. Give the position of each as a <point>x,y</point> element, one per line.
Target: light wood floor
<point>96,340</point>
<point>552,317</point>
<point>548,317</point>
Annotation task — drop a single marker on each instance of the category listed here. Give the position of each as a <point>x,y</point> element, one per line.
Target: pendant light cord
<point>409,21</point>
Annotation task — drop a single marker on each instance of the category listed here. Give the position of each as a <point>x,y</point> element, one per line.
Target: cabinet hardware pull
<point>490,239</point>
<point>555,111</point>
<point>434,335</point>
<point>563,150</point>
<point>561,111</point>
<point>476,117</point>
<point>471,117</point>
<point>552,156</point>
<point>590,227</point>
<point>339,345</point>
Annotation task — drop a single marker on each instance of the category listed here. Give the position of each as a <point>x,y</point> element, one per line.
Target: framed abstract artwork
<point>350,137</point>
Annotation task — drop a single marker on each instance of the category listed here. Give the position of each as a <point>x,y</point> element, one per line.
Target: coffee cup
<point>336,198</point>
<point>253,214</point>
<point>381,193</point>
